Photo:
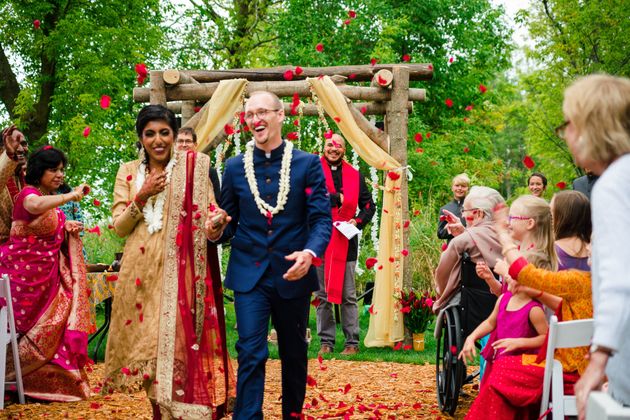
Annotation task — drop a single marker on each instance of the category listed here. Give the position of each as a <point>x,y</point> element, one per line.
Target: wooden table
<point>101,287</point>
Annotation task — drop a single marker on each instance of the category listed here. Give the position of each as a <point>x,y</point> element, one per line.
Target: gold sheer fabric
<point>219,111</point>
<point>386,322</point>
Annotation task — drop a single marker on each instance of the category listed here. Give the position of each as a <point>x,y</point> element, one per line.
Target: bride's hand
<point>216,222</point>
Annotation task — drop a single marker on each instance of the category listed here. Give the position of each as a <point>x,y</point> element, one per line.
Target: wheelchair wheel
<point>449,371</point>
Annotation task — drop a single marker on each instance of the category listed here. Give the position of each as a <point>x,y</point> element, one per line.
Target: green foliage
<point>571,39</point>
<point>101,249</point>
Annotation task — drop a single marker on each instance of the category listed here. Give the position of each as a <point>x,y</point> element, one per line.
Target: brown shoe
<point>325,349</point>
<point>350,350</point>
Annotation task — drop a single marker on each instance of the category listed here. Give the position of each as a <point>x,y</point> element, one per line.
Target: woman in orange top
<point>514,388</point>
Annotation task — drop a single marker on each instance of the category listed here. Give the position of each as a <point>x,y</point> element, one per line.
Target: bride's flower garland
<point>154,208</point>
<point>285,179</point>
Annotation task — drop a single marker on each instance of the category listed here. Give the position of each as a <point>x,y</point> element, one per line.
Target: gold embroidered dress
<point>179,358</point>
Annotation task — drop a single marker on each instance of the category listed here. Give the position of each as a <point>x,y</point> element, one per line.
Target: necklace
<point>154,208</point>
<point>285,180</point>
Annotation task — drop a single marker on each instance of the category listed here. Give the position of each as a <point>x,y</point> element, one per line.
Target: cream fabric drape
<point>219,110</point>
<point>386,321</point>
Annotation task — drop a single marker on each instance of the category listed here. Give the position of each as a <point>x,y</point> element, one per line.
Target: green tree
<point>57,58</point>
<point>571,39</point>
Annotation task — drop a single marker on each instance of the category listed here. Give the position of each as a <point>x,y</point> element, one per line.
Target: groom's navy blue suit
<point>257,265</point>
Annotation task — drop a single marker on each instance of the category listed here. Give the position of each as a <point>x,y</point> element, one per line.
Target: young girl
<point>517,325</point>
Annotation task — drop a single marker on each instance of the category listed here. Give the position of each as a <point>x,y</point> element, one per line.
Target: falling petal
<point>86,131</point>
<point>106,100</point>
<point>319,47</point>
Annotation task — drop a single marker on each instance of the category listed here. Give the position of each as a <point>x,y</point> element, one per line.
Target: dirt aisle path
<point>361,390</point>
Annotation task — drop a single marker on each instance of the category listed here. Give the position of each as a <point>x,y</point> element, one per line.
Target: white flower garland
<point>154,207</point>
<point>375,226</point>
<point>285,179</point>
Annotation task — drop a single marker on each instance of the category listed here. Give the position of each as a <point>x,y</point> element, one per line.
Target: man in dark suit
<point>584,184</point>
<point>277,213</point>
<point>453,209</point>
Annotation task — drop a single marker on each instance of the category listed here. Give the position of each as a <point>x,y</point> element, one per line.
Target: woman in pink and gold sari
<point>43,258</point>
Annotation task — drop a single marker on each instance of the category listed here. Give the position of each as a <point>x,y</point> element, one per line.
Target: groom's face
<point>264,118</point>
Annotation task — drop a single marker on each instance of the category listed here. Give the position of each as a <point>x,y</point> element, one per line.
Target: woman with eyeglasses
<point>597,131</point>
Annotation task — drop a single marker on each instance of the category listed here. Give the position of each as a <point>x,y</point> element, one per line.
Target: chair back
<point>568,334</point>
<point>8,336</point>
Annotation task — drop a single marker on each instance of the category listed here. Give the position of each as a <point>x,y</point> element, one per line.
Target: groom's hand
<point>303,260</point>
<point>216,222</point>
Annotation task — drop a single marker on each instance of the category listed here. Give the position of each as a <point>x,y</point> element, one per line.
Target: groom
<point>279,220</point>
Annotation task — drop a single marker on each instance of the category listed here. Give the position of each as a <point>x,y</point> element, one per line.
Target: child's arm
<point>469,352</point>
<point>483,272</point>
<point>538,320</point>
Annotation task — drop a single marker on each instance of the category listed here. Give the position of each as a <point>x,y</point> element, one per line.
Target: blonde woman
<point>597,131</point>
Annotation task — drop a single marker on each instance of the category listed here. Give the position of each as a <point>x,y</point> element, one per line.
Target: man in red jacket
<point>350,202</point>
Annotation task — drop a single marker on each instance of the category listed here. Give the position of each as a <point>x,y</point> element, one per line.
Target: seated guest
<point>453,209</point>
<point>537,184</point>
<point>13,153</point>
<point>479,240</point>
<point>571,212</point>
<point>187,140</point>
<point>44,261</point>
<point>513,388</point>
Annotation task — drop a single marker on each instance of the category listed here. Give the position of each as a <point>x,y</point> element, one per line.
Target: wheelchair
<point>468,308</point>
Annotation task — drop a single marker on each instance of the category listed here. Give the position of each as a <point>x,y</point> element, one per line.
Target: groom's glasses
<point>260,114</point>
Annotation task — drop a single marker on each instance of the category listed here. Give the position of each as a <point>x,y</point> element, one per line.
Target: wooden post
<point>383,78</point>
<point>188,110</point>
<point>157,90</point>
<point>396,126</point>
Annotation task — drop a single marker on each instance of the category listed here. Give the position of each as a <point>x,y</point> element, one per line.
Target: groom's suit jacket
<point>259,245</point>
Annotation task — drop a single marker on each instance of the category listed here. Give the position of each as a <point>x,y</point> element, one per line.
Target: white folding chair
<point>562,335</point>
<point>601,406</point>
<point>8,335</point>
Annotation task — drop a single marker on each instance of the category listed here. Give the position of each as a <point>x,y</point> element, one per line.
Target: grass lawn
<point>368,354</point>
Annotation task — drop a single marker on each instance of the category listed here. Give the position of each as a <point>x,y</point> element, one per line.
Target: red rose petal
<point>482,88</point>
<point>111,277</point>
<point>310,381</point>
<point>138,306</point>
<point>398,345</point>
<point>337,119</point>
<point>372,310</point>
<point>352,76</point>
<point>347,388</point>
<point>406,224</point>
<point>370,262</point>
<point>129,177</point>
<point>95,229</point>
<point>37,23</point>
<point>373,61</point>
<point>528,162</point>
<point>138,282</point>
<point>418,137</point>
<point>125,371</point>
<point>86,131</point>
<point>141,317</point>
<point>308,191</point>
<point>449,102</point>
<point>95,405</point>
<point>407,347</point>
<point>406,58</point>
<point>450,60</point>
<point>416,212</point>
<point>197,109</point>
<point>128,322</point>
<point>444,246</point>
<point>328,134</point>
<point>404,252</point>
<point>319,47</point>
<point>428,135</point>
<point>466,150</point>
<point>96,202</point>
<point>106,100</point>
<point>229,130</point>
<point>298,70</point>
<point>469,108</point>
<point>562,185</point>
<point>292,135</point>
<point>393,175</point>
<point>288,75</point>
<point>363,110</point>
<point>142,249</point>
<point>392,259</point>
<point>352,14</point>
<point>347,22</point>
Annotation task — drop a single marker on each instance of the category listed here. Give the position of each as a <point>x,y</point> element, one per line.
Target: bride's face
<point>157,140</point>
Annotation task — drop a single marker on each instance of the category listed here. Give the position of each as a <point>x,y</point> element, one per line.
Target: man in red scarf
<point>348,195</point>
<point>13,153</point>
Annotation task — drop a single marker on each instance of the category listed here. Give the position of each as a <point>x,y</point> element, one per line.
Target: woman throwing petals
<point>44,260</point>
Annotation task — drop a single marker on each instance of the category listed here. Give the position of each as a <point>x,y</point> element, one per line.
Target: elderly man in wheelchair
<point>465,300</point>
